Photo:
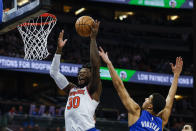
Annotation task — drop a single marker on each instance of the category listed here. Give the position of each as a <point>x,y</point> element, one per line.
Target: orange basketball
<point>83,25</point>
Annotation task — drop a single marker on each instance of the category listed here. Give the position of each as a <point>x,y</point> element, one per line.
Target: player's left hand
<point>94,29</point>
<point>177,69</point>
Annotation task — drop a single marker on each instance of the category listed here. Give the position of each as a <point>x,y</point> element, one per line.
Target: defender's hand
<point>94,29</point>
<point>104,56</point>
<point>177,69</point>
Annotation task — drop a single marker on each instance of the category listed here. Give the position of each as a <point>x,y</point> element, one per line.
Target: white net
<point>35,34</point>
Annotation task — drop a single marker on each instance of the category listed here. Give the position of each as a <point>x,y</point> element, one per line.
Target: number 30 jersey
<point>80,110</point>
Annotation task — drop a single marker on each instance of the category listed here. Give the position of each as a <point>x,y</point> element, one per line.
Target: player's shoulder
<point>161,113</point>
<point>72,85</point>
<point>69,87</point>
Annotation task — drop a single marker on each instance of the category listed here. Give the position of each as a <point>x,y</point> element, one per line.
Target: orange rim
<point>44,23</point>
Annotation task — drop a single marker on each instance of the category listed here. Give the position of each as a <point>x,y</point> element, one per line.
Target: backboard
<point>15,12</point>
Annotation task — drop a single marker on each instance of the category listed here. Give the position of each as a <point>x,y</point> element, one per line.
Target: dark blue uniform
<point>93,129</point>
<point>147,122</point>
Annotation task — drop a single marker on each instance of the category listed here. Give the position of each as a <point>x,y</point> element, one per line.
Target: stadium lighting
<point>178,97</point>
<point>130,13</point>
<point>80,11</point>
<point>173,17</point>
<point>67,8</point>
<point>35,85</point>
<point>122,17</point>
<point>22,2</point>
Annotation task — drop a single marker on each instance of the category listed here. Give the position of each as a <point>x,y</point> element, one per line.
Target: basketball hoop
<point>34,34</point>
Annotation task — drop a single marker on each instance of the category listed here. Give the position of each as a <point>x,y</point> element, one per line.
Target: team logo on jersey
<point>73,93</point>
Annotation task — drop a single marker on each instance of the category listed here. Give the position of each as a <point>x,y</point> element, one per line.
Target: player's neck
<point>82,86</point>
<point>151,112</point>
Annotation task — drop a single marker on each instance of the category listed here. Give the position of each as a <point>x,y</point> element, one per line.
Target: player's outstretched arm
<point>176,69</point>
<point>95,87</point>
<point>59,78</point>
<point>131,106</point>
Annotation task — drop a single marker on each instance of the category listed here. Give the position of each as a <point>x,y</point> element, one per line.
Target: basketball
<point>83,25</point>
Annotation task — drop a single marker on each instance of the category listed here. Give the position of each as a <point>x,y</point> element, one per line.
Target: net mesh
<point>35,34</point>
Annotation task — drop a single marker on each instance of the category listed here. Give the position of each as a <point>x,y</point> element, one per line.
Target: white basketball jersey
<point>80,110</point>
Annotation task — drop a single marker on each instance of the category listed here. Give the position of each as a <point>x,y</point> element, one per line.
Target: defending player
<point>155,110</point>
<point>84,98</point>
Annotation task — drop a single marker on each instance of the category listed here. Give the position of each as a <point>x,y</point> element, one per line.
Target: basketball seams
<point>87,32</point>
<point>83,25</point>
<point>78,26</point>
<point>81,29</point>
<point>91,19</point>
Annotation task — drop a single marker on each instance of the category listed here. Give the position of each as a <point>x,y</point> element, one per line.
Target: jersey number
<point>74,102</point>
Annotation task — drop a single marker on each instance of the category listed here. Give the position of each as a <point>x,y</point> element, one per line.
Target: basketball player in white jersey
<point>84,98</point>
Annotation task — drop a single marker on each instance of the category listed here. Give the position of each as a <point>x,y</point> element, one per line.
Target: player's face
<point>187,128</point>
<point>83,76</point>
<point>147,103</point>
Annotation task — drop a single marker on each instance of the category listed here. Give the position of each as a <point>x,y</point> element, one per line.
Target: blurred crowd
<point>181,114</point>
<point>29,113</point>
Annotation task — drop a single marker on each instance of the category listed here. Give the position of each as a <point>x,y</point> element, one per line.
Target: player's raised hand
<point>61,42</point>
<point>104,56</point>
<point>177,69</point>
<point>94,29</point>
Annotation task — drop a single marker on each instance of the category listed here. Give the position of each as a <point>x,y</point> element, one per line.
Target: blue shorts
<point>93,129</point>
